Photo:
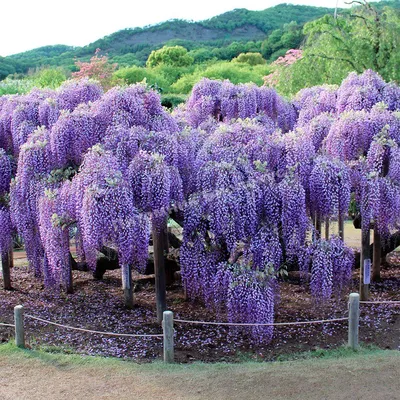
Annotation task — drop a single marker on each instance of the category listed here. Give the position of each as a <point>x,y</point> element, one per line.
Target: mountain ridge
<point>219,31</point>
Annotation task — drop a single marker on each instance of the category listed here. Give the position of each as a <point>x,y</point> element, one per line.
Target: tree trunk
<point>327,228</point>
<point>69,287</point>
<point>376,270</point>
<point>127,286</point>
<point>5,267</point>
<point>158,234</point>
<point>341,226</point>
<point>318,224</point>
<point>365,259</point>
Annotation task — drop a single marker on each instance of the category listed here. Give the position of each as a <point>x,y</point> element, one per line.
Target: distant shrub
<point>15,86</point>
<point>250,58</point>
<point>49,78</point>
<point>172,100</point>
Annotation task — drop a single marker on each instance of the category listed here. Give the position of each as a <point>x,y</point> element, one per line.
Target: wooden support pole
<point>159,269</point>
<point>341,226</point>
<point>354,319</point>
<point>5,268</point>
<point>377,246</point>
<point>327,228</point>
<point>365,265</point>
<point>127,286</point>
<point>168,330</point>
<point>19,326</point>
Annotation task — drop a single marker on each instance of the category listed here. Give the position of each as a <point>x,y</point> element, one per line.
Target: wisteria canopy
<point>248,173</point>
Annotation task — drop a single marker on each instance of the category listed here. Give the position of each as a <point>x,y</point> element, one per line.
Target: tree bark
<point>327,228</point>
<point>341,226</point>
<point>365,256</point>
<point>5,267</point>
<point>158,234</point>
<point>127,286</point>
<point>376,269</point>
<point>318,224</point>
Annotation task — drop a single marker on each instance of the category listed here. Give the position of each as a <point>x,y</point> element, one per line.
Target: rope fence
<point>160,335</point>
<point>321,321</point>
<point>353,319</point>
<point>381,302</point>
<point>10,325</point>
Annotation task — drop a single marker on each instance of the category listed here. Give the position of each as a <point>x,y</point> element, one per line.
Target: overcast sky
<point>27,24</point>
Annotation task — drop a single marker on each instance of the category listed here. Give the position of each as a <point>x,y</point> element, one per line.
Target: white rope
<point>321,321</point>
<point>11,326</point>
<point>380,302</point>
<point>91,331</point>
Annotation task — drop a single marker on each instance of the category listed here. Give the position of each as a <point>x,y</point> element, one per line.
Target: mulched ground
<point>98,305</point>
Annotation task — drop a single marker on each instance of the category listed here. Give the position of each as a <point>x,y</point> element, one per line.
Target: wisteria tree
<point>249,176</point>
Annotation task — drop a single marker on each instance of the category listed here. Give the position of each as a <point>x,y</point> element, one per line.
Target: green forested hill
<point>223,36</point>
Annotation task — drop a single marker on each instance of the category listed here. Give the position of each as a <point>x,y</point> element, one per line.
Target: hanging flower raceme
<point>294,219</point>
<point>199,257</point>
<point>5,229</point>
<point>311,102</point>
<point>35,163</point>
<point>10,103</point>
<point>35,159</point>
<point>49,112</point>
<point>317,129</point>
<point>330,264</point>
<point>248,297</point>
<point>134,105</point>
<point>352,133</point>
<point>381,188</point>
<point>242,139</point>
<point>224,101</point>
<point>361,92</point>
<point>123,142</point>
<point>5,173</point>
<point>105,210</point>
<point>329,187</point>
<point>299,155</point>
<point>109,218</point>
<point>74,133</point>
<point>265,252</point>
<point>54,232</point>
<point>155,184</point>
<point>74,92</point>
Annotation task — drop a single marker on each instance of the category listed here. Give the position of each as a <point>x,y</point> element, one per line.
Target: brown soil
<point>98,305</point>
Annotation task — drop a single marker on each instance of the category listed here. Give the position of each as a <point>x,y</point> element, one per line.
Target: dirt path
<point>34,375</point>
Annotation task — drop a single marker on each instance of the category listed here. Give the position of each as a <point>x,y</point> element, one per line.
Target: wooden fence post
<point>19,326</point>
<point>168,329</point>
<point>354,319</point>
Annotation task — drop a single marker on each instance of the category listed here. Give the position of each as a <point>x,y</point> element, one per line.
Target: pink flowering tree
<point>98,69</point>
<point>281,63</point>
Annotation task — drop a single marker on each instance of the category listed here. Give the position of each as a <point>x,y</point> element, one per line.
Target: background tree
<point>176,56</point>
<point>365,38</point>
<point>98,68</point>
